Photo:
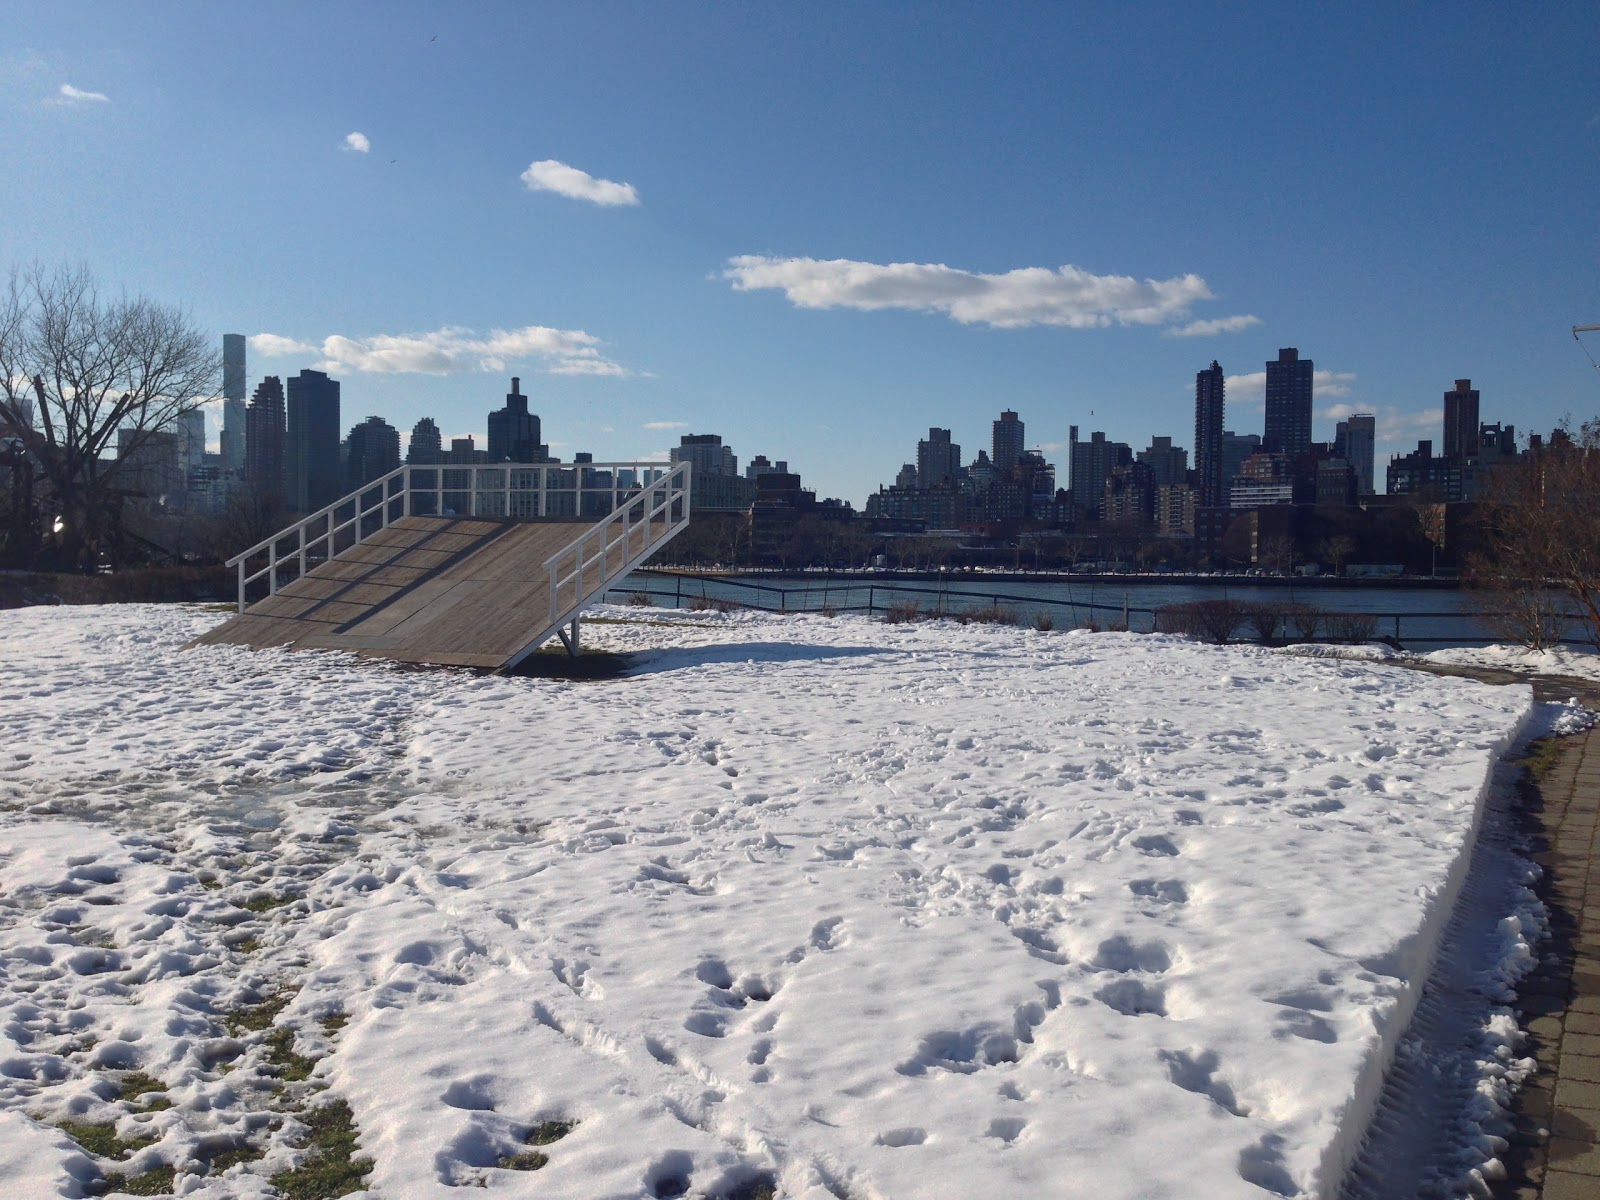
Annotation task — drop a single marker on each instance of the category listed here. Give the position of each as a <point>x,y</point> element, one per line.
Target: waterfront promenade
<point>1556,1149</point>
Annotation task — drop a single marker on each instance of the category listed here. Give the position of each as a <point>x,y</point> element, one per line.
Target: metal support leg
<point>570,639</point>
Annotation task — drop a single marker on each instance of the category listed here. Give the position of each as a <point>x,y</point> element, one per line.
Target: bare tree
<point>1337,550</point>
<point>1541,567</point>
<point>90,367</point>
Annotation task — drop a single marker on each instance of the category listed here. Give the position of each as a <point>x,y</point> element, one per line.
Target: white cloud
<point>1251,390</point>
<point>72,95</point>
<point>270,345</point>
<point>357,142</point>
<point>664,425</point>
<point>1067,296</point>
<point>452,351</point>
<point>548,175</point>
<point>1219,325</point>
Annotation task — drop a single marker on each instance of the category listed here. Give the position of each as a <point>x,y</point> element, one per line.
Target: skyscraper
<point>374,451</point>
<point>427,446</point>
<point>514,431</point>
<point>311,442</point>
<point>1288,427</point>
<point>1092,464</point>
<point>264,435</point>
<point>938,460</point>
<point>233,409</point>
<point>1461,421</point>
<point>1209,389</point>
<point>1354,441</point>
<point>1008,443</point>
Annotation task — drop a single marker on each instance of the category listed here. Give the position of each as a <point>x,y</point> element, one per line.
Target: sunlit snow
<point>850,909</point>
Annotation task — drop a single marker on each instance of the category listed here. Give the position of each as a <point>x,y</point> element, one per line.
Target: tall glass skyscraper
<point>233,410</point>
<point>1354,441</point>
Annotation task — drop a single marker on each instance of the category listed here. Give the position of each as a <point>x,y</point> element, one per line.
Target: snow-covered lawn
<point>1568,661</point>
<point>828,906</point>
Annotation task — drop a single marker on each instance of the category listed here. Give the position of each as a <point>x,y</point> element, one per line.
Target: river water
<point>1417,617</point>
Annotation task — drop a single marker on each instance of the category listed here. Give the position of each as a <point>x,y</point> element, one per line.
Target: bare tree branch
<point>99,370</point>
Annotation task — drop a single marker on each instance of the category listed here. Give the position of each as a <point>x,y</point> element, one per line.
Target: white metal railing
<point>653,516</point>
<point>500,490</point>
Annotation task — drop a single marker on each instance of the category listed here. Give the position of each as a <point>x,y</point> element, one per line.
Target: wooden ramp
<point>455,591</point>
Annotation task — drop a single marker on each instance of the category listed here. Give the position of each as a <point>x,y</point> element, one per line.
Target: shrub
<point>903,612</point>
<point>993,614</point>
<point>1266,619</point>
<point>1350,627</point>
<point>640,600</point>
<point>1212,620</point>
<point>1043,622</point>
<point>1303,619</point>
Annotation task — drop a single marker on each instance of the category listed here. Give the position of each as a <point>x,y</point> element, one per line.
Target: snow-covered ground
<point>831,907</point>
<point>1566,661</point>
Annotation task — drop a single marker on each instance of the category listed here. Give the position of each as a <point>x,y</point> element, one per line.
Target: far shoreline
<point>1171,578</point>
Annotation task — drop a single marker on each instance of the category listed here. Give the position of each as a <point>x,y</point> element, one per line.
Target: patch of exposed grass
<point>224,1159</point>
<point>136,1084</point>
<point>292,1067</point>
<point>265,902</point>
<point>547,1133</point>
<point>210,882</point>
<point>100,1138</point>
<point>522,1160</point>
<point>1541,756</point>
<point>248,946</point>
<point>254,1018</point>
<point>331,1169</point>
<point>334,1022</point>
<point>158,1181</point>
<point>762,1187</point>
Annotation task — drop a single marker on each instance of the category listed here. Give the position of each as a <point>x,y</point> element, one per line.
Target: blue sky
<point>819,229</point>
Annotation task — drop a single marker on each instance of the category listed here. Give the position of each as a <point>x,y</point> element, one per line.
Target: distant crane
<point>1576,330</point>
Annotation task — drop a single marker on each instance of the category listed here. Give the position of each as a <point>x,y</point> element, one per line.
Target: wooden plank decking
<point>455,591</point>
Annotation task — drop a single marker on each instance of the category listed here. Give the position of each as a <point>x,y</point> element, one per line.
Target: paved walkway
<point>1556,1151</point>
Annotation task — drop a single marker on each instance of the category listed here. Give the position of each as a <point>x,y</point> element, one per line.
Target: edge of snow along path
<point>829,906</point>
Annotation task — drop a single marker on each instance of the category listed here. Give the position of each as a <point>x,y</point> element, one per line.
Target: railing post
<point>241,585</point>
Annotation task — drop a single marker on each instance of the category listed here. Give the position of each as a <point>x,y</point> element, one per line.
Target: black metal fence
<point>1408,628</point>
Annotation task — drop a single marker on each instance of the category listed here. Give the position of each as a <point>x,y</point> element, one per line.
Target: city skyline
<point>820,233</point>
